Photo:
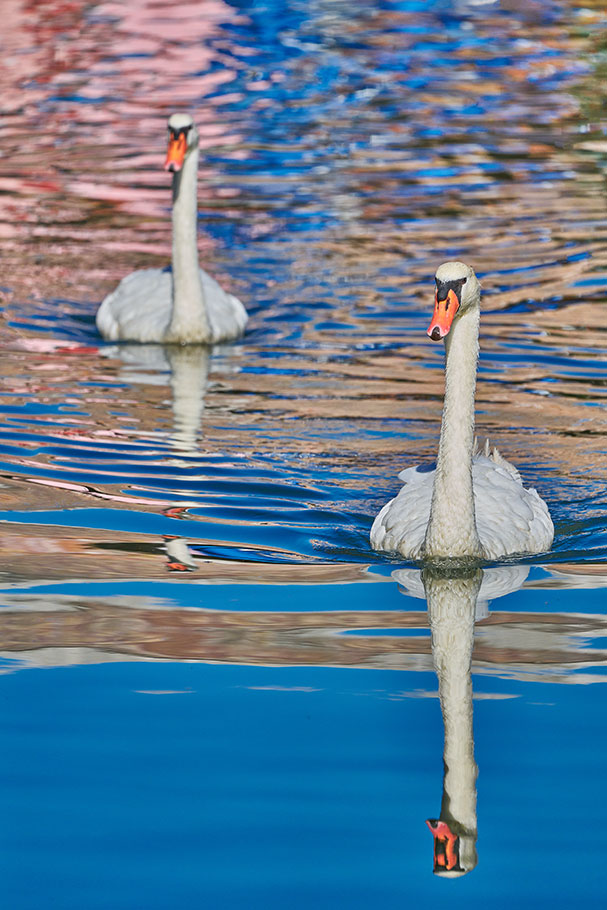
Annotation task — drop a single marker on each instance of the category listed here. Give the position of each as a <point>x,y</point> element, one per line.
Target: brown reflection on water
<point>59,554</point>
<point>58,628</point>
<point>42,629</point>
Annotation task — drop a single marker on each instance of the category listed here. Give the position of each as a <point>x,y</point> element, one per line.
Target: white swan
<point>472,505</point>
<point>185,306</point>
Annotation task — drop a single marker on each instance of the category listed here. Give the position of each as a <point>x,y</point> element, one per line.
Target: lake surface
<point>213,691</point>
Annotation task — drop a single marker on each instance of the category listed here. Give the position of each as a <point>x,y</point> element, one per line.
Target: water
<point>212,689</point>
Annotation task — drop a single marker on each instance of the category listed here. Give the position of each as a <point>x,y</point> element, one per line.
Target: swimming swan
<point>185,306</point>
<point>472,505</point>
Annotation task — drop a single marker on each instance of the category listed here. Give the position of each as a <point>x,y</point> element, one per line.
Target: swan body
<point>472,505</point>
<point>183,305</point>
<point>140,310</point>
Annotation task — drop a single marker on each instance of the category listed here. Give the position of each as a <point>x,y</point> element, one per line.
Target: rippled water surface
<point>213,691</point>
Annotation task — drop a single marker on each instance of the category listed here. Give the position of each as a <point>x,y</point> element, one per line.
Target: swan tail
<point>487,451</point>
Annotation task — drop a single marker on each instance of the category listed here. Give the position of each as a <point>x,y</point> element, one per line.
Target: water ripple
<point>345,153</point>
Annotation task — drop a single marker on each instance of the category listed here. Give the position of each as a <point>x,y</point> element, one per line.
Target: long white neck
<point>451,609</point>
<point>451,528</point>
<point>189,320</point>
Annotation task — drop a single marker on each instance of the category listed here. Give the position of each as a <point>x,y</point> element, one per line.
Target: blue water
<point>213,691</point>
<point>166,784</point>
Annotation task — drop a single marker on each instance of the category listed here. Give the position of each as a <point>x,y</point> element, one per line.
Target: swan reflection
<point>455,602</point>
<point>179,555</point>
<point>185,368</point>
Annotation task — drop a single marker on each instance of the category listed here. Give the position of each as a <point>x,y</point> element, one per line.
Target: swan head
<point>183,136</point>
<point>454,850</point>
<point>457,289</point>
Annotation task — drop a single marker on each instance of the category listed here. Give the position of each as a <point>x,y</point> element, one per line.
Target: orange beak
<point>176,152</point>
<point>446,845</point>
<point>444,311</point>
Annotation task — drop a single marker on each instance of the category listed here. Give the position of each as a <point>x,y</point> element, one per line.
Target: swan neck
<point>452,528</point>
<point>188,299</point>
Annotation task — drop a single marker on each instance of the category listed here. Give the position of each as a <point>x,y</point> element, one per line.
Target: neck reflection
<point>456,601</point>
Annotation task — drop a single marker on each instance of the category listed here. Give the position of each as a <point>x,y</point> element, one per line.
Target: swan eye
<point>458,281</point>
<point>458,285</point>
<point>445,288</point>
<point>182,131</point>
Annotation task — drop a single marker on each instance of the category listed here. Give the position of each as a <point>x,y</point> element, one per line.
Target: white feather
<point>141,306</point>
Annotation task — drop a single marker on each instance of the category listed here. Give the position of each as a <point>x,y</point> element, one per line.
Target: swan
<point>185,305</point>
<point>472,505</point>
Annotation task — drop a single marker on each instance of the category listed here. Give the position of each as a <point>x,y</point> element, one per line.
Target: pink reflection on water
<point>85,93</point>
<point>38,345</point>
<point>162,52</point>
